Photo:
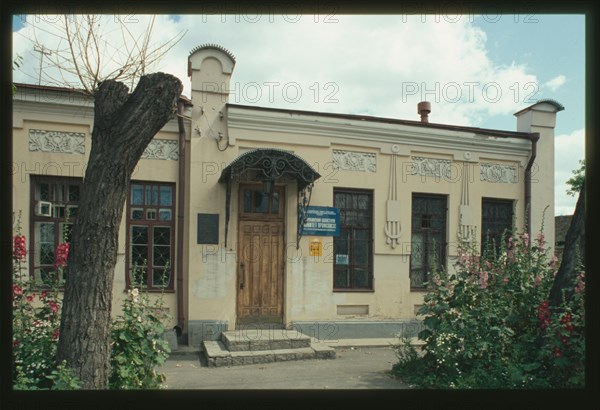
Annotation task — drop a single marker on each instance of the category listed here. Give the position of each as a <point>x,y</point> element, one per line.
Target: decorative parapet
<point>498,173</point>
<point>355,161</point>
<point>431,167</point>
<point>57,141</point>
<point>162,149</point>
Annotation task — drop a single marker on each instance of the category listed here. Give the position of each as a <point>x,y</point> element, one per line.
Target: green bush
<point>35,326</point>
<point>137,343</point>
<point>489,324</point>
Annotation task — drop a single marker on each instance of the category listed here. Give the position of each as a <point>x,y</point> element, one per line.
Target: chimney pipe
<point>423,109</point>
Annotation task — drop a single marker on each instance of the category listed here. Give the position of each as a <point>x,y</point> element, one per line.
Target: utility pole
<point>43,51</point>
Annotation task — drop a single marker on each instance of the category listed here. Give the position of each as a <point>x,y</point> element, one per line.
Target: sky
<point>476,70</point>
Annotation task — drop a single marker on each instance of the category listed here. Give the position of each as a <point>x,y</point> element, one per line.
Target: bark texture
<point>124,124</point>
<point>574,245</point>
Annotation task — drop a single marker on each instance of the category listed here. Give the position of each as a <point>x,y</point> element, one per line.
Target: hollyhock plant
<point>61,255</point>
<point>35,328</point>
<point>488,323</point>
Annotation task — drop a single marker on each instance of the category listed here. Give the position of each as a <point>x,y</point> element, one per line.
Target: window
<point>353,249</point>
<point>496,222</point>
<point>54,202</point>
<point>428,238</point>
<point>150,233</point>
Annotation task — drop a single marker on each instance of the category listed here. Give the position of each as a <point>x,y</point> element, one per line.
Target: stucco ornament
<point>498,173</point>
<point>162,149</point>
<point>355,161</point>
<point>56,141</point>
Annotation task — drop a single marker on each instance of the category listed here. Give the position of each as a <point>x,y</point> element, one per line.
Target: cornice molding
<point>366,132</point>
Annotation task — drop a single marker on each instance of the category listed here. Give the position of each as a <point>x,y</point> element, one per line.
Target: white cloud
<point>380,65</point>
<point>556,82</point>
<point>568,150</point>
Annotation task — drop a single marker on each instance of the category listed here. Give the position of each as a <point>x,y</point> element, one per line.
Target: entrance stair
<point>257,346</point>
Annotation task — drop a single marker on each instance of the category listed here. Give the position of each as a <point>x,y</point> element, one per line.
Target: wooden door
<point>260,256</point>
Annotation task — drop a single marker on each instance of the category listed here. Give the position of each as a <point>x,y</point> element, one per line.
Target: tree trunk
<point>124,124</point>
<point>574,247</point>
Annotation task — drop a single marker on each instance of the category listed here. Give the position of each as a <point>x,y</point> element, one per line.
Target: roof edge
<point>358,117</point>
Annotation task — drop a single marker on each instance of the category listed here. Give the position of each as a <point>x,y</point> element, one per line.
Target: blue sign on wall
<point>322,221</point>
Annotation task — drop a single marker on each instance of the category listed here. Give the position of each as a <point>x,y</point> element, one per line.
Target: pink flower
<point>488,264</point>
<point>580,287</point>
<point>17,291</point>
<point>54,306</point>
<point>19,248</point>
<point>536,281</point>
<point>540,240</point>
<point>483,280</point>
<point>55,334</point>
<point>44,295</point>
<point>30,297</point>
<point>544,314</point>
<point>16,343</point>
<point>526,239</point>
<point>61,254</point>
<point>557,352</point>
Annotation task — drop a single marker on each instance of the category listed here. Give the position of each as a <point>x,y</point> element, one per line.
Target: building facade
<point>250,216</point>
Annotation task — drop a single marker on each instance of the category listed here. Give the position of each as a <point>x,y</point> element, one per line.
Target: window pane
<point>43,192</point>
<point>247,201</point>
<point>72,211</point>
<point>139,255</point>
<point>417,250</point>
<point>363,219</point>
<point>162,235</point>
<point>361,278</point>
<point>161,256</point>
<point>417,278</point>
<point>160,277</point>
<point>151,214</point>
<point>58,194</point>
<point>341,278</point>
<point>363,202</point>
<point>137,213</point>
<point>137,194</point>
<point>339,200</point>
<point>275,206</point>
<point>73,193</point>
<point>164,215</point>
<point>361,248</point>
<point>166,195</point>
<point>340,244</point>
<point>139,235</point>
<point>261,202</point>
<point>138,277</point>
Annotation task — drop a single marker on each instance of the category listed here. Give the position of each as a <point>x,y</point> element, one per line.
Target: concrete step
<point>264,339</point>
<point>217,354</point>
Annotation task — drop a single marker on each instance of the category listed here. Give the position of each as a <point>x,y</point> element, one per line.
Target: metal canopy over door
<point>260,256</point>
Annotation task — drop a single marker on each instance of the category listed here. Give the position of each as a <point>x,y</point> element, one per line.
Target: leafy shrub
<point>36,324</point>
<point>489,324</point>
<point>137,343</point>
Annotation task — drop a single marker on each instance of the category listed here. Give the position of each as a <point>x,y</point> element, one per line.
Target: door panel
<point>260,272</point>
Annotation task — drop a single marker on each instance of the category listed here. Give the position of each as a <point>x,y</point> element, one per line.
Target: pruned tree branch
<point>90,57</point>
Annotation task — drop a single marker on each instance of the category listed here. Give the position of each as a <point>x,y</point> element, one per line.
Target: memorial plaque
<point>208,229</point>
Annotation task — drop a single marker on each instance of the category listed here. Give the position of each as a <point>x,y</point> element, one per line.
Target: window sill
<point>354,290</point>
<point>153,291</point>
